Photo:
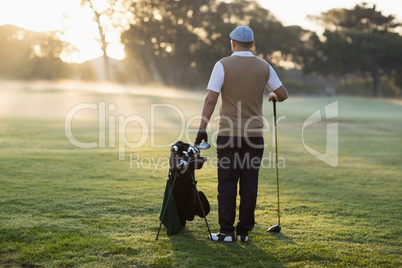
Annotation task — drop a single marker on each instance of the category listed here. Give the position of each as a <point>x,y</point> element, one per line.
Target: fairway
<point>66,206</point>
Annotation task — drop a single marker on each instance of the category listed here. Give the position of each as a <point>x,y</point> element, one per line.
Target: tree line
<point>176,43</point>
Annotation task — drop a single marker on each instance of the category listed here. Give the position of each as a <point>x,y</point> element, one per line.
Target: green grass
<point>62,206</point>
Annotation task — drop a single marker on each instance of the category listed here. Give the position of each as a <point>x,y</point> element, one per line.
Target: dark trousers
<point>239,159</point>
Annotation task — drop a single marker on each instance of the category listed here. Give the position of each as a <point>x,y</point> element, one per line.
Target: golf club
<point>203,146</point>
<point>276,228</point>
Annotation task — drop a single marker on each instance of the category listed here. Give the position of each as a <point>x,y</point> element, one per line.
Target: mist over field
<point>54,99</point>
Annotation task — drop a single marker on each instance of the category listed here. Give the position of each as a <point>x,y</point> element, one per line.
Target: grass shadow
<point>283,238</point>
<point>191,249</point>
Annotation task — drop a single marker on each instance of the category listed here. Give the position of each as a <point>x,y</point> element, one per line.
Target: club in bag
<point>276,228</point>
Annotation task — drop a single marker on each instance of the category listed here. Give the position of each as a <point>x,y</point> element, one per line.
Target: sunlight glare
<point>39,15</point>
<point>68,17</point>
<point>116,51</point>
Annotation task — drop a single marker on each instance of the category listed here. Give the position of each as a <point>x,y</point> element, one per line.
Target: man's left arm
<point>280,94</point>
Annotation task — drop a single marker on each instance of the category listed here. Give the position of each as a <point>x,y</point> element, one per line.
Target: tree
<point>161,40</point>
<point>30,55</point>
<point>359,41</point>
<point>15,51</point>
<point>177,42</point>
<point>111,17</point>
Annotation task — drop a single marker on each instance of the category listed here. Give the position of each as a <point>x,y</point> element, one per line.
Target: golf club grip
<point>274,103</point>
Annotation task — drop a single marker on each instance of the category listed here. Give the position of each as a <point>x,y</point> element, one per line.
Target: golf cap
<point>242,34</point>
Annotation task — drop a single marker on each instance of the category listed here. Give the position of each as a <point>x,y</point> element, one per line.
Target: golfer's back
<point>242,96</point>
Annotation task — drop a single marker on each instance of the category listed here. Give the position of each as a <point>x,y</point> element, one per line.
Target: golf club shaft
<point>276,163</point>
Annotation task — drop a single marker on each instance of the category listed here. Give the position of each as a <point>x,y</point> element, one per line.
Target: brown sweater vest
<point>242,96</point>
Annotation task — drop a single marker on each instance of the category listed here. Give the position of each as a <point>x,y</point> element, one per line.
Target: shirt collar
<point>243,53</point>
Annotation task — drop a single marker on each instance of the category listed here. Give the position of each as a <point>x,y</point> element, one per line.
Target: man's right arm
<point>209,107</point>
<point>214,88</point>
<point>207,111</point>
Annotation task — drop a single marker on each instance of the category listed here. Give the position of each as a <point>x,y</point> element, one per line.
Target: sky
<point>294,12</point>
<point>47,15</point>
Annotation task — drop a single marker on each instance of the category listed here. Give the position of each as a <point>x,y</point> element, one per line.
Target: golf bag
<point>182,201</point>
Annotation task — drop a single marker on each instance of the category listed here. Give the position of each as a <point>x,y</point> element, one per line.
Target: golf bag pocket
<point>204,203</point>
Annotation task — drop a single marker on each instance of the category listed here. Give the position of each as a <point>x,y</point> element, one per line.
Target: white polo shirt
<point>218,74</point>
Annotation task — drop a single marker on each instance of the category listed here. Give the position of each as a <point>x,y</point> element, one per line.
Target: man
<point>240,79</point>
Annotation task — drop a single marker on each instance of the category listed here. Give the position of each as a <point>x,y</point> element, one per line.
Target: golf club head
<point>275,229</point>
<point>203,145</point>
